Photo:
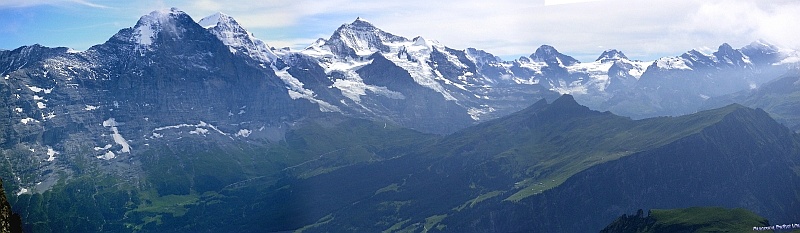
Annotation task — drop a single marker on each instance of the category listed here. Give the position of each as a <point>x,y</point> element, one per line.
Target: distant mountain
<point>695,219</point>
<point>611,55</point>
<point>680,85</point>
<point>780,97</point>
<point>416,82</point>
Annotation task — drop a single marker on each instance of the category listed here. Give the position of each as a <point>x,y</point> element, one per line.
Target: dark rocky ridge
<point>10,222</point>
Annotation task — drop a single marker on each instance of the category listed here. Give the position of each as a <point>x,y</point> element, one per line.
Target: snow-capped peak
<point>238,39</point>
<point>359,19</point>
<point>728,55</point>
<point>319,42</point>
<point>761,52</point>
<point>548,54</point>
<point>611,55</point>
<point>149,26</point>
<point>419,41</point>
<point>762,45</point>
<point>212,20</point>
<point>360,38</point>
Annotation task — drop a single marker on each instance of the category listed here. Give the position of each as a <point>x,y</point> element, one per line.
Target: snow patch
<point>150,25</point>
<point>107,156</point>
<point>211,20</point>
<point>22,191</point>
<point>18,110</point>
<point>199,131</point>
<point>573,88</point>
<point>126,148</point>
<point>672,63</point>
<point>529,81</point>
<point>597,71</point>
<point>38,89</point>
<point>52,153</point>
<point>352,86</point>
<point>243,133</point>
<point>353,89</point>
<point>106,147</point>
<point>534,66</point>
<point>201,128</point>
<point>639,67</point>
<point>422,73</point>
<point>296,90</point>
<point>476,113</point>
<point>145,35</point>
<point>41,105</point>
<point>49,116</point>
<point>28,120</point>
<point>90,107</point>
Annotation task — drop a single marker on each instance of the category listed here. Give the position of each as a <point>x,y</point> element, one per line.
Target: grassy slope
<point>694,219</point>
<point>518,156</point>
<point>544,145</point>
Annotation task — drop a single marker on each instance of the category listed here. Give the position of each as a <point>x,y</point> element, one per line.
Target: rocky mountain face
<point>165,78</point>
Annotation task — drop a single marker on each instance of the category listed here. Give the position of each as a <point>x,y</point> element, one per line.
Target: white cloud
<point>745,21</point>
<point>560,2</point>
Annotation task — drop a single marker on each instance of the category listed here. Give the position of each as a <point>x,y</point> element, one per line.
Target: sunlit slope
<point>690,220</point>
<point>552,166</point>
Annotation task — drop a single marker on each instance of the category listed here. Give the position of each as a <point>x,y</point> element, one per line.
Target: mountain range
<point>174,120</point>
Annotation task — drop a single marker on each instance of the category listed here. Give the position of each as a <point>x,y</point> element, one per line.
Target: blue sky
<point>643,30</point>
